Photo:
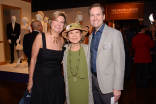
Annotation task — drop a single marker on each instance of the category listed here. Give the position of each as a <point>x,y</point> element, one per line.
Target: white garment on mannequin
<point>24,26</point>
<point>25,22</point>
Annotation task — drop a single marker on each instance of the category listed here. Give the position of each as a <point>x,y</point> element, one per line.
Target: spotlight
<point>151,18</point>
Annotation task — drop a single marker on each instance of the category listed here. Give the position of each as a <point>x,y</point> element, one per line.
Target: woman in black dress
<point>45,77</point>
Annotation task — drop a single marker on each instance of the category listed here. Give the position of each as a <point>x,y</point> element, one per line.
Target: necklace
<point>77,66</point>
<point>55,38</point>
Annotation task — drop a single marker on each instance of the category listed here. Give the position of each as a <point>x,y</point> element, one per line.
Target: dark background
<point>43,5</point>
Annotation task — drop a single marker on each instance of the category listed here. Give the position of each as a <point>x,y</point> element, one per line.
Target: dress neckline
<point>53,49</point>
<point>75,51</point>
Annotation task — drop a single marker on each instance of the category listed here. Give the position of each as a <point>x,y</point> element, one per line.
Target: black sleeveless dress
<point>48,81</point>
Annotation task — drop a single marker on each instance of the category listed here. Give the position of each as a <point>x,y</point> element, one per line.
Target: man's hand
<point>117,94</point>
<point>9,41</point>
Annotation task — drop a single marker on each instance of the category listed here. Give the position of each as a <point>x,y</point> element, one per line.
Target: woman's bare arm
<point>35,49</point>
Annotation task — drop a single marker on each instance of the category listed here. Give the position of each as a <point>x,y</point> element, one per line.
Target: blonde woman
<point>45,77</point>
<point>76,73</point>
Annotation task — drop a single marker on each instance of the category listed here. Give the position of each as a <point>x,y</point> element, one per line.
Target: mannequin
<point>13,32</point>
<point>39,17</point>
<point>79,17</point>
<point>25,28</point>
<point>45,29</point>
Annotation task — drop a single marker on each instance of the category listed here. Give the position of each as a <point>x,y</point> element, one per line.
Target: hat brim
<point>84,32</point>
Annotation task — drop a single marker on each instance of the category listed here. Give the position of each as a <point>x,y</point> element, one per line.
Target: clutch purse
<point>19,47</point>
<point>26,98</point>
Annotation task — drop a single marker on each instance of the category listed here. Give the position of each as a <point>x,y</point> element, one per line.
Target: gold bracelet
<point>29,83</point>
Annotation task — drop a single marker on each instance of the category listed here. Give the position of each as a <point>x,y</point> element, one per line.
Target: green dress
<point>79,89</point>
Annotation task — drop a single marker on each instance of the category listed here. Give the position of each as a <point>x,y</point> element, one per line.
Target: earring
<point>67,41</point>
<point>80,41</point>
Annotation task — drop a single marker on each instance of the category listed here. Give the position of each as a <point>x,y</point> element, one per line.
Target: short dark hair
<point>35,24</point>
<point>140,27</point>
<point>82,38</point>
<point>126,25</point>
<point>96,5</point>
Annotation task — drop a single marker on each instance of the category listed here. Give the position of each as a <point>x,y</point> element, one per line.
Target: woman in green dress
<point>76,73</point>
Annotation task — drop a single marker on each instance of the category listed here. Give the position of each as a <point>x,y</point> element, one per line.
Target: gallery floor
<point>12,90</point>
<point>10,67</point>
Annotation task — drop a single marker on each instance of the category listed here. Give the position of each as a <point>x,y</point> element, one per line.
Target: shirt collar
<point>102,27</point>
<point>36,30</point>
<point>100,30</point>
<point>13,22</point>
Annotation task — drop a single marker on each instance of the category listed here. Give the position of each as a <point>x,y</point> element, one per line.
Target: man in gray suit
<point>106,58</point>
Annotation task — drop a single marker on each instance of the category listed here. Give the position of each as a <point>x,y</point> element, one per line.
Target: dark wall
<point>43,5</point>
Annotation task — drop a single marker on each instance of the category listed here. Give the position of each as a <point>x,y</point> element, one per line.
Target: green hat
<point>74,26</point>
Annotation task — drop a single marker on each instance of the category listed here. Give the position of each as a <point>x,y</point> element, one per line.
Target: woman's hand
<point>29,87</point>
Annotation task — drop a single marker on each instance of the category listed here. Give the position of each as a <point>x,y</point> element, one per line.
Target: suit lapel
<point>103,37</point>
<point>90,39</point>
<point>102,40</point>
<point>88,57</point>
<point>10,26</point>
<point>14,26</point>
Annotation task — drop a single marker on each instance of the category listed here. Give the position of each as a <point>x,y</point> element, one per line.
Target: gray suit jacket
<point>110,62</point>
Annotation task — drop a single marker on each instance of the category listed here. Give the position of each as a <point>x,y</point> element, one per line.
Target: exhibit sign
<point>125,11</point>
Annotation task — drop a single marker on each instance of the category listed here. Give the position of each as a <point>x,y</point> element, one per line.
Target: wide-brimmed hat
<point>74,26</point>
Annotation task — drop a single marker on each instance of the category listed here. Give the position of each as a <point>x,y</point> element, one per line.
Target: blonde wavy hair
<point>55,15</point>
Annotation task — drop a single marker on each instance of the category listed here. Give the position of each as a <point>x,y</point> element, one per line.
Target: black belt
<point>95,74</point>
<point>13,34</point>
